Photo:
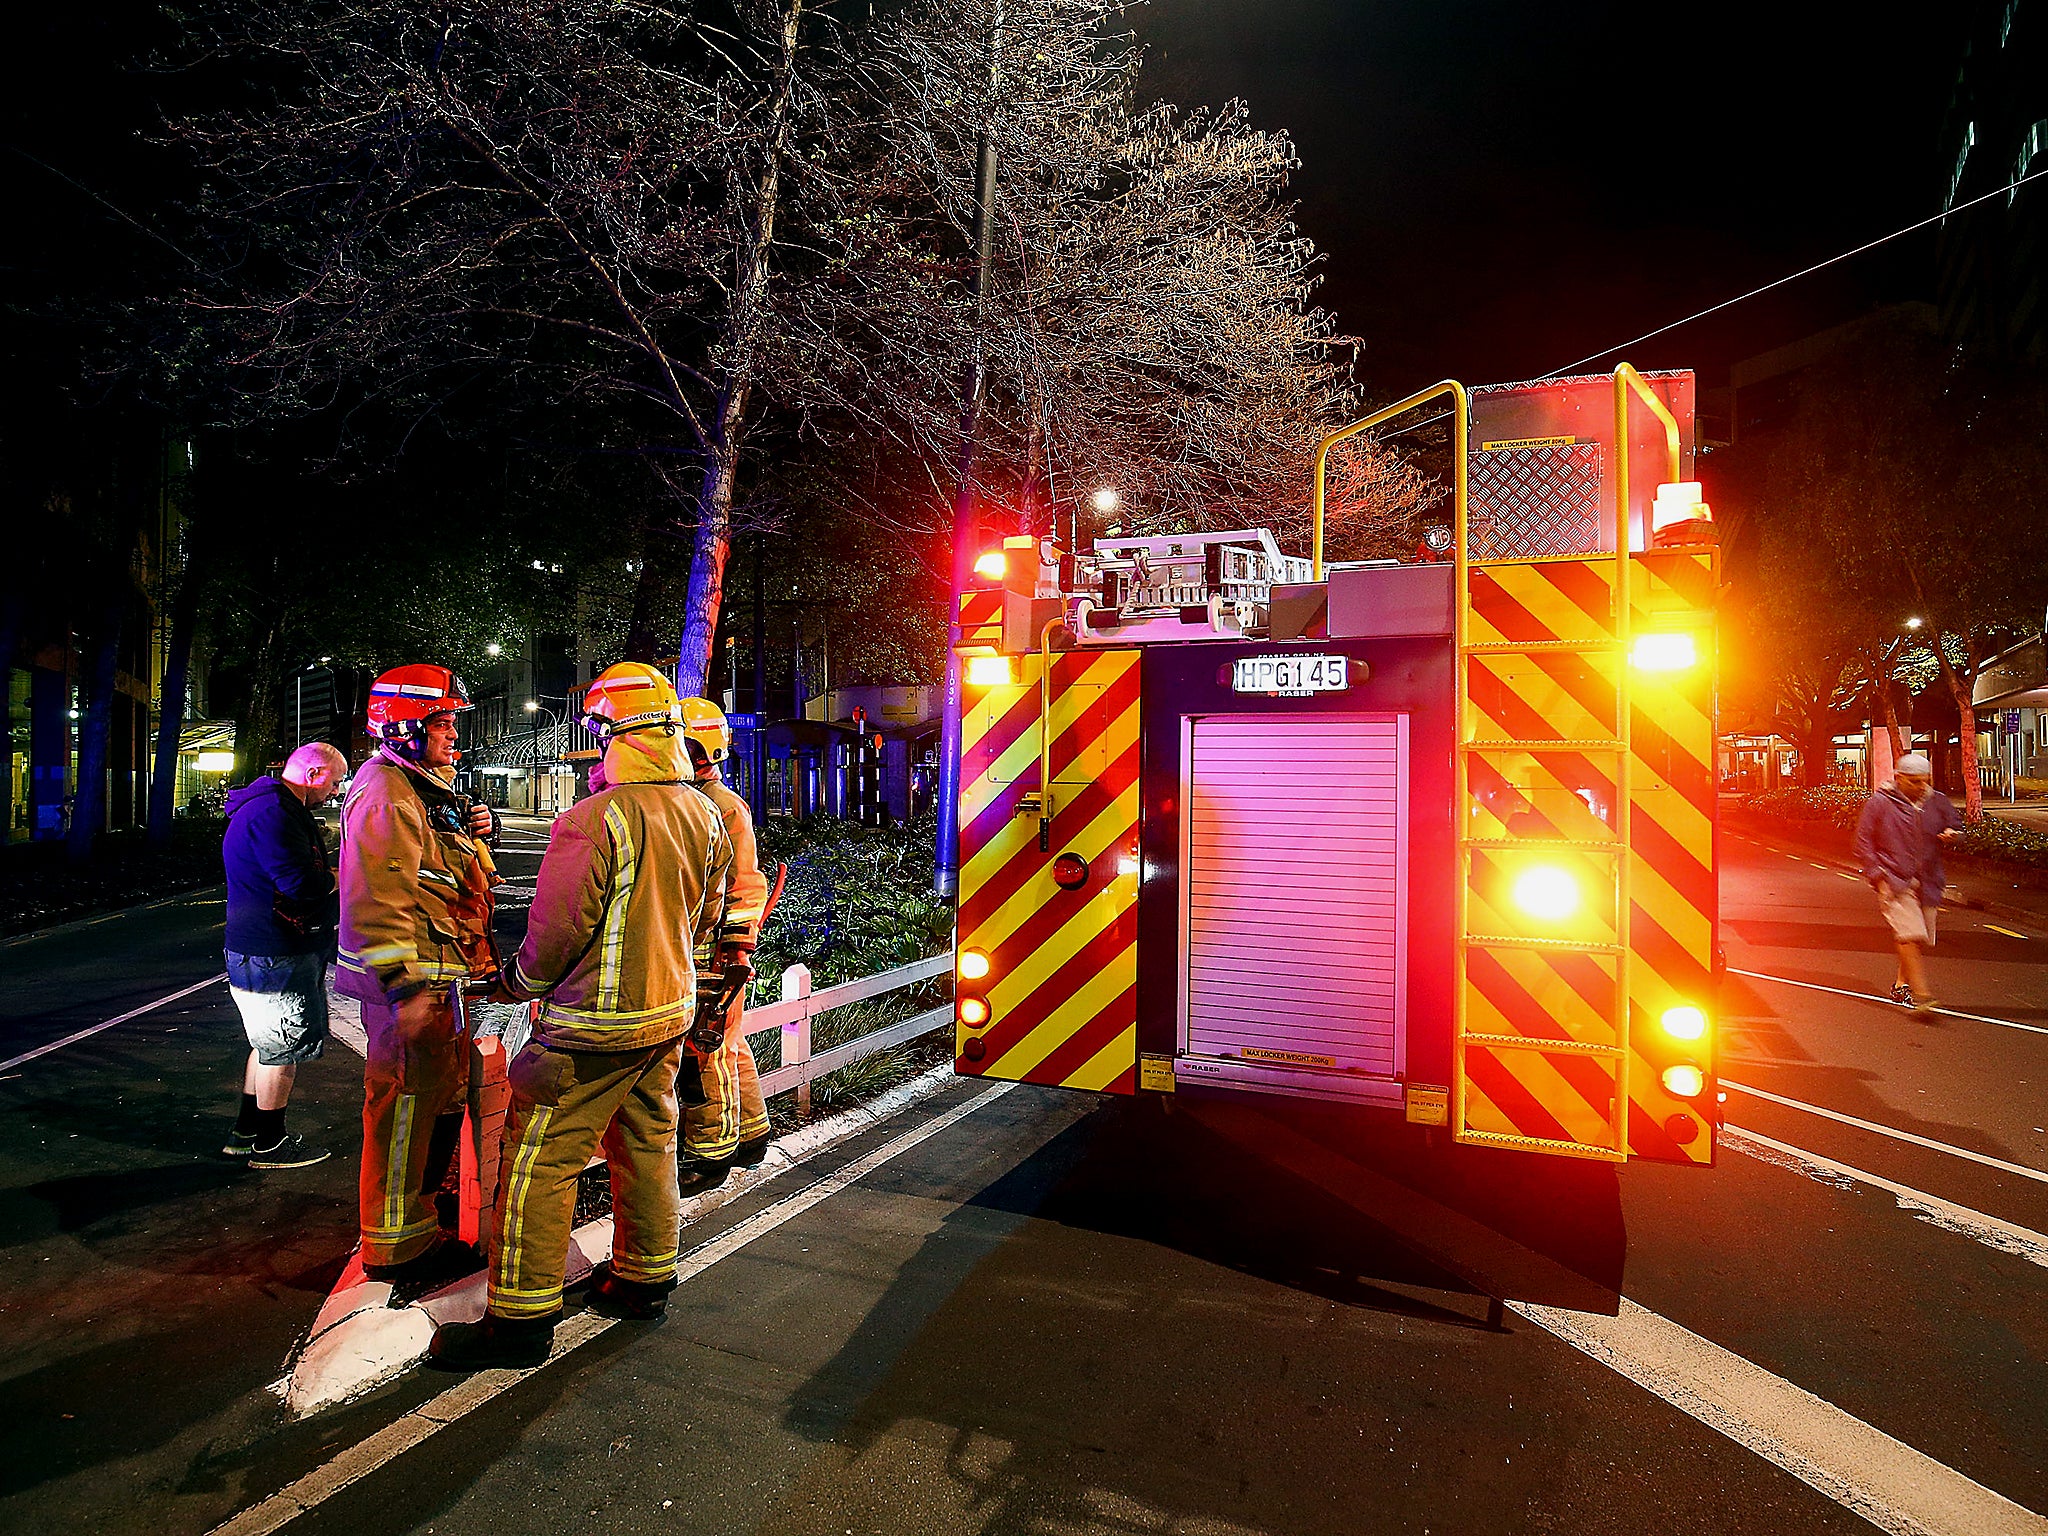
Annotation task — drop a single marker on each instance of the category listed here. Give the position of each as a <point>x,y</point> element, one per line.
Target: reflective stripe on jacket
<point>743,915</point>
<point>634,884</point>
<point>415,893</point>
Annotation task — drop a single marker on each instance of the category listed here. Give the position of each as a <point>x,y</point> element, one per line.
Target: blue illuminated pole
<point>966,524</point>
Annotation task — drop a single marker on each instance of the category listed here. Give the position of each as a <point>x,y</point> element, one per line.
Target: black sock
<point>246,1121</point>
<point>269,1128</point>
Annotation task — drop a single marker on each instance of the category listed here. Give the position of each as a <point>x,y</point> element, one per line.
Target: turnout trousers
<point>733,1110</point>
<point>414,1088</point>
<point>565,1105</point>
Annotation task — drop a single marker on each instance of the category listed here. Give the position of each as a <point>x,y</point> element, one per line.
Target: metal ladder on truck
<point>1541,1048</point>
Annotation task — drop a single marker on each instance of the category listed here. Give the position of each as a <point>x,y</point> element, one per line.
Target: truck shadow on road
<point>1144,1280</point>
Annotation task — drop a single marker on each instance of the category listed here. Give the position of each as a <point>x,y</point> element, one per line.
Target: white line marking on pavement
<point>395,1439</point>
<point>2005,1236</point>
<point>1886,1481</point>
<point>1892,1131</point>
<point>132,1013</point>
<point>1872,997</point>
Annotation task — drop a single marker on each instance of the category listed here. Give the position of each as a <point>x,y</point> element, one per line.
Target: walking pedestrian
<point>1942,825</point>
<point>635,883</point>
<point>281,913</point>
<point>1892,846</point>
<point>415,916</point>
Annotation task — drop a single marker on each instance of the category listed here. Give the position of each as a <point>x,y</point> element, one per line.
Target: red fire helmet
<point>403,698</point>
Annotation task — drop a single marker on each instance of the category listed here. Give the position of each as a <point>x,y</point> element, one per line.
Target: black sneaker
<point>1902,995</point>
<point>750,1153</point>
<point>701,1175</point>
<point>446,1262</point>
<point>239,1144</point>
<point>495,1344</point>
<point>288,1151</point>
<point>636,1301</point>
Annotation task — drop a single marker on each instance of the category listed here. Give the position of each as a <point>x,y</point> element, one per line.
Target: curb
<point>359,1341</point>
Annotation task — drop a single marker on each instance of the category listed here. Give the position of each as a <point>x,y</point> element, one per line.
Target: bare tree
<point>570,199</point>
<point>1150,325</point>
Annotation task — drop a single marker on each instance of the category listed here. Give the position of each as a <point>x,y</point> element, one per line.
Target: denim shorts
<point>283,1001</point>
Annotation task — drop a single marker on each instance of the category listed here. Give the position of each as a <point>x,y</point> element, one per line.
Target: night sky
<point>1502,187</point>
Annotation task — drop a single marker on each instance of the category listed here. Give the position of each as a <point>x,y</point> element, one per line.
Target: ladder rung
<point>1601,1153</point>
<point>1553,844</point>
<point>1515,941</point>
<point>1552,1047</point>
<point>1518,647</point>
<point>1609,745</point>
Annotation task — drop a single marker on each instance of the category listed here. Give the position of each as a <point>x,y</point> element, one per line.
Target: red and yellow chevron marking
<point>1673,889</point>
<point>1062,984</point>
<point>1553,794</point>
<point>981,619</point>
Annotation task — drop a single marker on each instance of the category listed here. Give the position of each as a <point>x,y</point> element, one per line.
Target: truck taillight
<point>990,672</point>
<point>973,1012</point>
<point>972,965</point>
<point>1685,1023</point>
<point>1664,651</point>
<point>1684,1081</point>
<point>1547,893</point>
<point>991,565</point>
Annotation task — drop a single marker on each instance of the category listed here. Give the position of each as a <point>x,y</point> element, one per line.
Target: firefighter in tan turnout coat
<point>415,916</point>
<point>635,883</point>
<point>731,1125</point>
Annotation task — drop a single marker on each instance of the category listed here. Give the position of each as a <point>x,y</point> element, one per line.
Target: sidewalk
<point>2016,893</point>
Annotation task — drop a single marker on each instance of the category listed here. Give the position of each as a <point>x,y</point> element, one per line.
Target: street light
<point>494,649</point>
<point>1105,500</point>
<point>536,709</point>
<point>1914,622</point>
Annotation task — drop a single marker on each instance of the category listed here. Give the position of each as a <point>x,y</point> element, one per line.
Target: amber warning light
<point>991,566</point>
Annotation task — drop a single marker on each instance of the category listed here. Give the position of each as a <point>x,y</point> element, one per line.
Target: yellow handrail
<point>1625,380</point>
<point>1463,412</point>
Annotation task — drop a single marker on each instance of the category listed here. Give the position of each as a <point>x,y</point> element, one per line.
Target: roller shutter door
<point>1294,905</point>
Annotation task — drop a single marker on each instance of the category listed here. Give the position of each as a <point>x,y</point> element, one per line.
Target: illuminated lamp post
<point>536,709</point>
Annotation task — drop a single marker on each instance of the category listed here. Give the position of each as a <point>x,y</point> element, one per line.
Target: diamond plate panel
<point>1540,500</point>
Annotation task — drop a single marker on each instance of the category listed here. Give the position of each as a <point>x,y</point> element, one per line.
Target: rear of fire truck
<point>1434,839</point>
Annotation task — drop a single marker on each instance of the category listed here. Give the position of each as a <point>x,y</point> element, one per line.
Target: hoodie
<point>281,893</point>
<point>1889,842</point>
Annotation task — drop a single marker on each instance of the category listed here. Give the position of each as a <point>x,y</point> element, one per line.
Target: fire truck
<point>1433,838</point>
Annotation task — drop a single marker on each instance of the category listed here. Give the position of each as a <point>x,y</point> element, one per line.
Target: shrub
<point>1835,805</point>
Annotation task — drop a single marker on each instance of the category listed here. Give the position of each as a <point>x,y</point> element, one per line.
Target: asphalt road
<point>1036,1312</point>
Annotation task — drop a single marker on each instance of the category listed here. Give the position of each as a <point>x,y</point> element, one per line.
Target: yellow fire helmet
<point>631,696</point>
<point>704,727</point>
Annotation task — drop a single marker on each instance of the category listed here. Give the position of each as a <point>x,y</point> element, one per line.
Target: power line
<point>1870,245</point>
<point>1792,277</point>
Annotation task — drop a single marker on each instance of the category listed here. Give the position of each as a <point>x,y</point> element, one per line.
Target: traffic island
<point>360,1340</point>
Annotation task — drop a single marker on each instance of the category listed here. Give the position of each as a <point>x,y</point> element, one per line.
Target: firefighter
<point>635,882</point>
<point>416,882</point>
<point>731,1125</point>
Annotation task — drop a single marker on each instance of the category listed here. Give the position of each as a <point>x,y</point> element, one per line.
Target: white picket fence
<point>799,1006</point>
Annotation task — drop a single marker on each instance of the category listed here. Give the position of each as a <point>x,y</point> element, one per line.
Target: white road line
<point>1886,1481</point>
<point>132,1013</point>
<point>1892,1131</point>
<point>1872,997</point>
<point>2005,1236</point>
<point>365,1457</point>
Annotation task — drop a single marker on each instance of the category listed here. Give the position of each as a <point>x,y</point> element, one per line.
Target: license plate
<point>1290,677</point>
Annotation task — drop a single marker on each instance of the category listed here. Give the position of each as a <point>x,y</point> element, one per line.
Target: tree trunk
<point>711,541</point>
<point>163,779</point>
<point>1960,688</point>
<point>89,808</point>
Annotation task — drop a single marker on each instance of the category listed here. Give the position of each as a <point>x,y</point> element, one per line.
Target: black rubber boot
<point>749,1154</point>
<point>701,1175</point>
<point>443,1264</point>
<point>495,1344</point>
<point>637,1301</point>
